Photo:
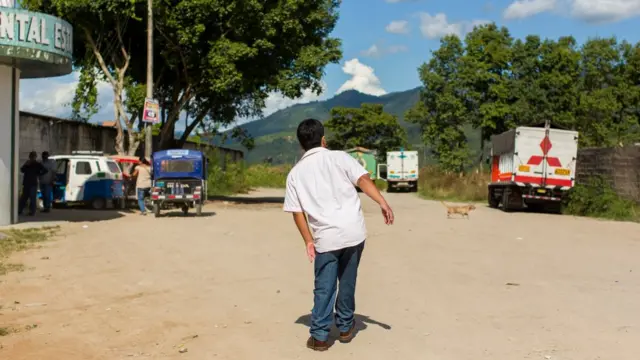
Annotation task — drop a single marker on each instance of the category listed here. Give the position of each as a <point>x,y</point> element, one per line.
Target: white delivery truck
<point>532,166</point>
<point>401,170</point>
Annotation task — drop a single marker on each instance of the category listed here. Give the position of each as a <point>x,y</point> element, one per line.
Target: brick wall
<point>620,166</point>
<point>59,136</point>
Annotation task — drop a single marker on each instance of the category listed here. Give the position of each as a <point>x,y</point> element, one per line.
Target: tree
<point>485,77</point>
<point>102,52</point>
<point>218,59</point>
<point>441,112</point>
<point>368,126</point>
<point>222,58</point>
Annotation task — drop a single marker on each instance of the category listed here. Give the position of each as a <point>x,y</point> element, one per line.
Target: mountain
<point>275,134</point>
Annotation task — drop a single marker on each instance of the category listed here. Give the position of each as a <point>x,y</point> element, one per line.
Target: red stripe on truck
<point>538,180</point>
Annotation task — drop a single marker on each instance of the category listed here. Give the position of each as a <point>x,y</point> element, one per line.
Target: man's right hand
<point>387,213</point>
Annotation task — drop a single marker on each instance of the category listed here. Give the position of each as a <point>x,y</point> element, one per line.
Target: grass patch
<point>20,240</point>
<point>597,199</point>
<point>381,184</point>
<point>267,176</point>
<point>436,184</point>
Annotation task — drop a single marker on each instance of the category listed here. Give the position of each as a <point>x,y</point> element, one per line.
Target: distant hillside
<point>275,134</point>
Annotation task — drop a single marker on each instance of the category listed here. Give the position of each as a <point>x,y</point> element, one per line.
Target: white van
<point>88,178</point>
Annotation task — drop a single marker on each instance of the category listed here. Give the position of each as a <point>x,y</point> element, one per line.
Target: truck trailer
<point>532,167</point>
<point>401,170</point>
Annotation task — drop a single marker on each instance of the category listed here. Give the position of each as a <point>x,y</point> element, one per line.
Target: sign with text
<point>151,112</point>
<point>28,29</point>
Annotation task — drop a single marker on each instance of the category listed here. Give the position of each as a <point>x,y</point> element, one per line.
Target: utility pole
<point>148,142</point>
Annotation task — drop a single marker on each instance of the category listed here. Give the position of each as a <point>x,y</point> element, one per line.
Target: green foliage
<point>265,176</point>
<point>219,59</point>
<point>494,83</point>
<point>597,199</point>
<point>368,126</point>
<point>435,183</point>
<point>440,112</point>
<point>226,177</point>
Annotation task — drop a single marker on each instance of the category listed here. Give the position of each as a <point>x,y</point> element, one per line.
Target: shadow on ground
<point>362,323</point>
<point>248,200</point>
<point>72,215</point>
<point>179,214</point>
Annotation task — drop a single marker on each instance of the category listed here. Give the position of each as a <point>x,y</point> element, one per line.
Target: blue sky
<point>384,42</point>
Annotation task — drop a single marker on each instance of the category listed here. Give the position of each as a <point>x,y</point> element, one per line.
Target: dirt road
<point>236,284</point>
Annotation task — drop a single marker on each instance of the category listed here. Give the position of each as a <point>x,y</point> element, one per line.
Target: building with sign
<point>32,45</point>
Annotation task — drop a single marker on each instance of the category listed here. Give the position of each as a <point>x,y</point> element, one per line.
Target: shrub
<point>434,183</point>
<point>267,176</point>
<point>596,198</point>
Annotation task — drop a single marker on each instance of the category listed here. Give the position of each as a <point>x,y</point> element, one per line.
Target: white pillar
<point>9,136</point>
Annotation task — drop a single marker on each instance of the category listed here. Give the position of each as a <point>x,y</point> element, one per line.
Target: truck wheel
<point>98,203</point>
<point>199,209</point>
<point>414,187</point>
<point>156,209</point>
<point>506,194</point>
<point>390,188</point>
<point>493,202</point>
<point>185,209</point>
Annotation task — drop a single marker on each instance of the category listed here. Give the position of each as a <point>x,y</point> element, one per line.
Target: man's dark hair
<point>310,133</point>
<point>45,155</point>
<point>33,155</point>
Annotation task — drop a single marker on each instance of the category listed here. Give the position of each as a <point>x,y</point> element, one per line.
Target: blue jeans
<point>47,195</point>
<point>335,270</point>
<point>141,194</point>
<point>29,194</point>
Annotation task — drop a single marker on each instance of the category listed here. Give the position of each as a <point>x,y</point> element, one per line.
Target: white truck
<point>401,170</point>
<point>532,167</point>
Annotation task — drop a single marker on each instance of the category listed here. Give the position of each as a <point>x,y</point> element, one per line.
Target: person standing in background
<point>47,180</point>
<point>31,170</point>
<point>142,173</point>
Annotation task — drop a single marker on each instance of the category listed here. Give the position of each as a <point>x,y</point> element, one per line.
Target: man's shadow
<point>362,323</point>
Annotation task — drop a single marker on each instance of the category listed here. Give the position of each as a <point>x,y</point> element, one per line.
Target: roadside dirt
<point>235,284</point>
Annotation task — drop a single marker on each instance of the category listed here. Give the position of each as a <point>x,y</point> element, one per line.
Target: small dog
<point>463,210</point>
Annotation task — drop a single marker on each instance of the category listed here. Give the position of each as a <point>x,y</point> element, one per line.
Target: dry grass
<point>439,185</point>
<point>20,240</point>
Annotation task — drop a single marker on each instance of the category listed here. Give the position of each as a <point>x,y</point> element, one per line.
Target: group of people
<point>36,174</point>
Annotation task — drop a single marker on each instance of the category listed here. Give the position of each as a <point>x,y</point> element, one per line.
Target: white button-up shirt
<point>322,185</point>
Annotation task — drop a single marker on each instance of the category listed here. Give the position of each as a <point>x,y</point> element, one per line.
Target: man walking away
<point>31,170</point>
<point>322,187</point>
<point>47,181</point>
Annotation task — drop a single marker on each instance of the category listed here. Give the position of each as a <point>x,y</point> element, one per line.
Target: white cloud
<point>276,101</point>
<point>521,9</point>
<point>377,51</point>
<point>591,11</point>
<point>53,96</point>
<point>363,79</point>
<point>398,27</point>
<point>604,11</point>
<point>437,26</point>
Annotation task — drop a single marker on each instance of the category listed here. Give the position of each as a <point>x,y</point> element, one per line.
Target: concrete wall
<point>59,136</point>
<point>619,166</point>
<point>9,91</point>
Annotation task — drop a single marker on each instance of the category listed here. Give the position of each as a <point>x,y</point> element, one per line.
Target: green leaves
<point>494,83</point>
<point>441,111</point>
<point>368,126</point>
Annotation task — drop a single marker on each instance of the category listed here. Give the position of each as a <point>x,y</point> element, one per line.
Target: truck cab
<point>401,170</point>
